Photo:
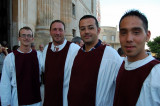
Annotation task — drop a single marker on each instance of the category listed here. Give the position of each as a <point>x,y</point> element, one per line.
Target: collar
<point>137,64</point>
<point>97,45</point>
<point>59,46</point>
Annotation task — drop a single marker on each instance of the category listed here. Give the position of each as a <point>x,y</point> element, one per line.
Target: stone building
<point>38,14</point>
<point>110,35</point>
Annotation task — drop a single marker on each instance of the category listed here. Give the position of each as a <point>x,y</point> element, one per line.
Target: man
<point>92,81</point>
<point>77,40</point>
<point>33,46</point>
<point>121,53</point>
<point>41,48</point>
<point>5,45</point>
<point>137,82</point>
<point>3,53</point>
<point>58,57</point>
<point>20,82</point>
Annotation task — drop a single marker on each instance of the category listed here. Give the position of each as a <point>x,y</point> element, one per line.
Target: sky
<point>112,10</point>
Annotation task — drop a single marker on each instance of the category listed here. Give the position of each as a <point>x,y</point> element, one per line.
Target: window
<point>113,38</point>
<point>73,32</point>
<point>73,9</point>
<point>104,38</point>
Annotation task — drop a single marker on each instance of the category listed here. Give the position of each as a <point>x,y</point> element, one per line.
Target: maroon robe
<point>27,76</point>
<point>129,84</point>
<point>54,75</point>
<point>83,81</point>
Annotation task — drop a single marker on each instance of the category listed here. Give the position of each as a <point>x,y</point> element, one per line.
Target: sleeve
<point>109,68</point>
<point>115,60</point>
<point>5,85</point>
<point>44,57</point>
<point>40,60</point>
<point>150,92</point>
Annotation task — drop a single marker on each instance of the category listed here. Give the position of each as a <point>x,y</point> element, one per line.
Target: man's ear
<point>148,36</point>
<point>98,30</point>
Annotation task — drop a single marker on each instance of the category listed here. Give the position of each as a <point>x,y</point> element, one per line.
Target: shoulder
<point>111,55</point>
<point>111,52</point>
<point>10,55</point>
<point>74,46</point>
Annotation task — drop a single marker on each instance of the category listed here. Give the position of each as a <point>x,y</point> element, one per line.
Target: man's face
<point>0,48</point>
<point>132,37</point>
<point>41,47</point>
<point>81,43</point>
<point>89,31</point>
<point>57,32</point>
<point>26,37</point>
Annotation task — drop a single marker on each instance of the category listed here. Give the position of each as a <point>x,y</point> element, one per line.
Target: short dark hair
<point>120,51</point>
<point>137,13</point>
<point>59,21</point>
<point>90,16</point>
<point>26,28</point>
<point>76,39</point>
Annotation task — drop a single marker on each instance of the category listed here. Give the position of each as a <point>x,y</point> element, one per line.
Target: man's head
<point>78,40</point>
<point>120,52</point>
<point>33,47</point>
<point>41,47</point>
<point>26,36</point>
<point>0,48</point>
<point>133,33</point>
<point>57,31</point>
<point>89,29</point>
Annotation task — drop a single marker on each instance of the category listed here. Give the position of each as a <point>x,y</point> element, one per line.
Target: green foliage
<point>154,46</point>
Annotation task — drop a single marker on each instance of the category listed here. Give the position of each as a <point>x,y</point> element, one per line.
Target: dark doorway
<point>5,21</point>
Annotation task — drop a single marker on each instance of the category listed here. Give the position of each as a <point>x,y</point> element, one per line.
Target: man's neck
<point>88,46</point>
<point>25,49</point>
<point>58,43</point>
<point>136,58</point>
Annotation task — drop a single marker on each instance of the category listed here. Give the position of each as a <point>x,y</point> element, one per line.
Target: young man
<point>137,82</point>
<point>58,57</point>
<point>20,82</point>
<point>92,81</point>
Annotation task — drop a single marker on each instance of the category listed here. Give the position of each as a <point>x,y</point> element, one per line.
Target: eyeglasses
<point>26,35</point>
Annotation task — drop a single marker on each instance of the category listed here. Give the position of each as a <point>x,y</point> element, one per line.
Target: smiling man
<point>94,70</point>
<point>58,55</point>
<point>137,82</point>
<point>20,83</point>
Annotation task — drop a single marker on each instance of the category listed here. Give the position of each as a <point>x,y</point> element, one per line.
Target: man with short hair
<point>138,79</point>
<point>20,82</point>
<point>93,74</point>
<point>77,40</point>
<point>58,56</point>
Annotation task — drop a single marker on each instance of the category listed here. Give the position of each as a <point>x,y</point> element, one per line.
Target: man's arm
<point>5,85</point>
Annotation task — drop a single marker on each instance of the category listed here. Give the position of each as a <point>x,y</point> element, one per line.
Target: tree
<point>154,46</point>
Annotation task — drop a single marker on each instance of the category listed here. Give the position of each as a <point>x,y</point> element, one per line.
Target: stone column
<point>45,15</point>
<point>66,17</point>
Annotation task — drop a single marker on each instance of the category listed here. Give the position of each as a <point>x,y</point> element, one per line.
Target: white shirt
<point>150,92</point>
<point>8,81</point>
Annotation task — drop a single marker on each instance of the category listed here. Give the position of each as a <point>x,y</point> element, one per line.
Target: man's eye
<point>91,27</point>
<point>123,32</point>
<point>61,30</point>
<point>29,35</point>
<point>136,32</point>
<point>82,29</point>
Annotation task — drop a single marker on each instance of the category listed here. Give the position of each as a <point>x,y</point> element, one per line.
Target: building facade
<point>110,35</point>
<point>38,14</point>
